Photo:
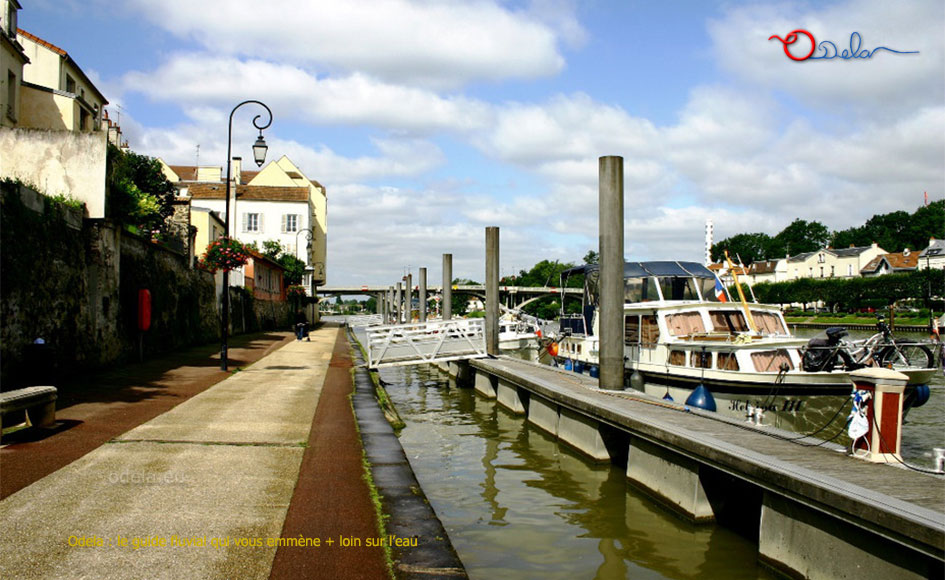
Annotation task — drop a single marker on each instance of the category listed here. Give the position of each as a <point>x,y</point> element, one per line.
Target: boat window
<point>707,286</point>
<point>649,330</point>
<point>700,359</point>
<point>685,324</point>
<point>768,323</point>
<point>728,321</point>
<point>640,289</point>
<point>727,362</point>
<point>678,288</point>
<point>771,360</point>
<point>592,287</point>
<point>677,358</point>
<point>631,330</point>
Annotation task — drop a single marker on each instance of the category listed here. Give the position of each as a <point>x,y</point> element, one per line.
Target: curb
<point>411,517</point>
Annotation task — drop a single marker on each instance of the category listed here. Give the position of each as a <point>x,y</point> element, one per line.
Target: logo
<point>828,50</point>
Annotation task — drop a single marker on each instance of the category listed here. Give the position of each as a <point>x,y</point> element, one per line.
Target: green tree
<point>136,191</point>
<point>294,267</point>
<point>749,247</point>
<point>591,257</point>
<point>799,237</point>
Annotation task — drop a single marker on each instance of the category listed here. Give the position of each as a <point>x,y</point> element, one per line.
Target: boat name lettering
<point>786,406</point>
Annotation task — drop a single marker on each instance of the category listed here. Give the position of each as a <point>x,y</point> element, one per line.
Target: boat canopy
<point>649,281</point>
<point>645,269</point>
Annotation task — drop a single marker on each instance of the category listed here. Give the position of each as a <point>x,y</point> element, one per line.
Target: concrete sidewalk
<point>200,491</point>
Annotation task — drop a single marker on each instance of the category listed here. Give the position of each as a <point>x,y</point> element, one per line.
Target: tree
<point>749,247</point>
<point>591,257</point>
<point>294,267</point>
<point>136,191</point>
<point>799,237</point>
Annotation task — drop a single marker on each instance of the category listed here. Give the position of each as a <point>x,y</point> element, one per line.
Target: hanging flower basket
<point>224,254</point>
<point>295,292</point>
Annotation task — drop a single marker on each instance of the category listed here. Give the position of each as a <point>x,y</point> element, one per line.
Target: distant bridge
<point>520,295</point>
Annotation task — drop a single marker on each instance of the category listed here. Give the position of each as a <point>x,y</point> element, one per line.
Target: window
<point>820,258</point>
<point>727,362</point>
<point>700,359</point>
<point>772,360</point>
<point>832,272</point>
<point>730,321</point>
<point>252,222</point>
<point>290,223</point>
<point>685,324</point>
<point>70,84</point>
<point>821,271</point>
<point>849,269</point>
<point>677,358</point>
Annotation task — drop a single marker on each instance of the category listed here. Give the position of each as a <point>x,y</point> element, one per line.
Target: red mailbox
<point>144,309</point>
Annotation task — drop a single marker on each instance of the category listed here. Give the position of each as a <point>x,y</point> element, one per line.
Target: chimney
<point>236,171</point>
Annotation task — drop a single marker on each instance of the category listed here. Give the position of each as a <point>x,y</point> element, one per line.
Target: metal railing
<point>435,341</point>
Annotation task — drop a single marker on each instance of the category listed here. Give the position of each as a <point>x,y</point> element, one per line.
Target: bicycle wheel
<point>907,356</point>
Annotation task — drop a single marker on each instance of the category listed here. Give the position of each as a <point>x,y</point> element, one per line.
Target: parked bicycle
<point>880,350</point>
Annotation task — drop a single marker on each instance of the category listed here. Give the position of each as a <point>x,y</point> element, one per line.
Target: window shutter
<point>284,224</point>
<point>259,227</point>
<point>245,222</point>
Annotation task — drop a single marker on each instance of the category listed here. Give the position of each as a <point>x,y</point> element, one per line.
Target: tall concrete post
<point>446,305</point>
<point>390,304</point>
<point>423,294</point>
<point>611,322</point>
<point>408,300</point>
<point>492,290</point>
<point>398,304</point>
<point>379,301</point>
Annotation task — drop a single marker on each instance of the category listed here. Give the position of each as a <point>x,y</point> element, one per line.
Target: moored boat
<point>682,330</point>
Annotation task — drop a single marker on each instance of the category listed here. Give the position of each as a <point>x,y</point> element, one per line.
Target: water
<point>517,504</point>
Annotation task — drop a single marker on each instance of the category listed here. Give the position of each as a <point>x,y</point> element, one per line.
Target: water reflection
<point>519,504</point>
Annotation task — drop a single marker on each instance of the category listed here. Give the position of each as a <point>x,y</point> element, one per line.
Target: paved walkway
<point>203,489</point>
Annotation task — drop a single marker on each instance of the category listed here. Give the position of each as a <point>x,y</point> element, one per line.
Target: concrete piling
<point>423,294</point>
<point>446,304</point>
<point>611,323</point>
<point>492,290</point>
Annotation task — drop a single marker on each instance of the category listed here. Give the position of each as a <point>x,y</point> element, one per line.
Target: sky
<point>429,120</point>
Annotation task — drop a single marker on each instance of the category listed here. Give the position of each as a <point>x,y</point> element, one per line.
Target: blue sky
<point>429,120</point>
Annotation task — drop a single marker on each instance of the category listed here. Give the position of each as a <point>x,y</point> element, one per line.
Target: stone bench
<point>38,403</point>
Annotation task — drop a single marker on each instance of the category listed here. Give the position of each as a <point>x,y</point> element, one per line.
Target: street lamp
<point>259,155</point>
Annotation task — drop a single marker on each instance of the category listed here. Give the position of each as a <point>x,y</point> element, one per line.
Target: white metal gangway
<point>354,320</point>
<point>428,342</point>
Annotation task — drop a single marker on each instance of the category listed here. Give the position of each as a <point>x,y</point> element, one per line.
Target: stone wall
<point>74,283</point>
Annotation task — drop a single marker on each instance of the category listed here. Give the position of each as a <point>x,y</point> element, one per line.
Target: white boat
<point>518,333</point>
<point>682,330</point>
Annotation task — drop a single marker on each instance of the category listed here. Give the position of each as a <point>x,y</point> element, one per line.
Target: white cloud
<point>197,81</point>
<point>430,43</point>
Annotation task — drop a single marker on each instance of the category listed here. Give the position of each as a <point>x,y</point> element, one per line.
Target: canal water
<point>517,504</point>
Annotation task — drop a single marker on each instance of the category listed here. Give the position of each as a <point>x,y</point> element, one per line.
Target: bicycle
<point>882,350</point>
<point>890,352</point>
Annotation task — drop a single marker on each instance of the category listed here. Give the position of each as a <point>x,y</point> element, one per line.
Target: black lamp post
<point>259,155</point>
<point>309,235</point>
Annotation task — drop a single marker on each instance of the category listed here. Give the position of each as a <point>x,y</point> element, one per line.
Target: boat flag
<point>720,290</point>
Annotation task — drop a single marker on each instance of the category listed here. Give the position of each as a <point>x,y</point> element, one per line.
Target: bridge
<point>518,296</point>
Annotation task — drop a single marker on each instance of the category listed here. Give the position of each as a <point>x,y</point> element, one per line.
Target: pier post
<point>423,294</point>
<point>389,314</point>
<point>408,299</point>
<point>492,290</point>
<point>398,305</point>
<point>380,304</point>
<point>446,304</point>
<point>611,323</point>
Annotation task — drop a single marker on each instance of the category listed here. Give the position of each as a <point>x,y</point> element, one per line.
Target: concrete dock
<point>817,513</point>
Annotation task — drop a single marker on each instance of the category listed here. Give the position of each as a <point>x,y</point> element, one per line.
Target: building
<point>52,132</point>
<point>832,263</point>
<point>904,261</point>
<point>264,278</point>
<point>54,93</point>
<point>933,257</point>
<point>278,203</point>
<point>12,60</point>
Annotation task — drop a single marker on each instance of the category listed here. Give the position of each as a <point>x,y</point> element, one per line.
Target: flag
<point>720,290</point>
<point>926,199</point>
